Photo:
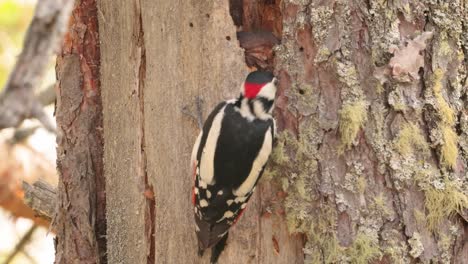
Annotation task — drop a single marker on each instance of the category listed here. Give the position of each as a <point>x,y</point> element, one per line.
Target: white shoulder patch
<point>257,165</point>
<point>208,153</point>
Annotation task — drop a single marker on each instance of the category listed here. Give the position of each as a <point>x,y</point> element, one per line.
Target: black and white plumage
<point>229,157</point>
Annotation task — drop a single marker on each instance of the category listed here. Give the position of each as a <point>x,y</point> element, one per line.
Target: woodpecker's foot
<point>198,115</point>
<point>218,249</point>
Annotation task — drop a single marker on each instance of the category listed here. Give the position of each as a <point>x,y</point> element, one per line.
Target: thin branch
<point>22,134</point>
<point>21,244</point>
<point>44,35</point>
<point>41,197</point>
<point>47,96</point>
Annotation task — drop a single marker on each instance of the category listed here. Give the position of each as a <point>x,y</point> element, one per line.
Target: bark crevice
<point>150,208</point>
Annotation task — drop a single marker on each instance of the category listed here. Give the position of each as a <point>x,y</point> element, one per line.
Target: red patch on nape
<point>252,89</point>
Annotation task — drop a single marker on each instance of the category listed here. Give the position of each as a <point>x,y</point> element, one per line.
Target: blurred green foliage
<point>15,17</point>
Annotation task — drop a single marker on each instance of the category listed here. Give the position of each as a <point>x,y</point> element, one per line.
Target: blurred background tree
<point>24,238</point>
<point>15,16</point>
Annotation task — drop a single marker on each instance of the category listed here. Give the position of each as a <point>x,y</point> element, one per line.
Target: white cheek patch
<point>268,91</point>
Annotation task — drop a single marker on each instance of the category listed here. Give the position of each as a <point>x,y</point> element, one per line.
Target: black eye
<point>275,82</point>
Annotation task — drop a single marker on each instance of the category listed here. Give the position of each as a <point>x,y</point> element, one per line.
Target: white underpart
<point>257,165</point>
<point>207,158</point>
<point>268,91</point>
<point>195,149</point>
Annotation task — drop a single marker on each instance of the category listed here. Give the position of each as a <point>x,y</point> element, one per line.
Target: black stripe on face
<point>251,107</point>
<point>266,103</point>
<point>239,101</point>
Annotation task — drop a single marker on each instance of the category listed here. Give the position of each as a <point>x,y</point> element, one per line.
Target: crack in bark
<point>149,190</point>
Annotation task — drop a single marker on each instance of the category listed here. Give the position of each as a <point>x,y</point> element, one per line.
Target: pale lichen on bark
<point>400,161</point>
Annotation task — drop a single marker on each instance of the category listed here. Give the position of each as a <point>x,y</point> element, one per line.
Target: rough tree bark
<point>372,154</point>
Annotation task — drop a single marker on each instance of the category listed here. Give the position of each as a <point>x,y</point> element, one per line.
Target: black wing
<point>238,145</point>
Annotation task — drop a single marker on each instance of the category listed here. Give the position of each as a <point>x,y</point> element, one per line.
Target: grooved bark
<point>372,135</point>
<point>81,217</point>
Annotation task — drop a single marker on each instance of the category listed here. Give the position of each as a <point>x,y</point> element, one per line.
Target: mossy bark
<point>388,185</point>
<point>371,158</point>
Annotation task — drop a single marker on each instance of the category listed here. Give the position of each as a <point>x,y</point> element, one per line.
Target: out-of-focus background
<point>24,238</point>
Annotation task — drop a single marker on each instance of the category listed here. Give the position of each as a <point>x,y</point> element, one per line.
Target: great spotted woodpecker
<point>229,157</point>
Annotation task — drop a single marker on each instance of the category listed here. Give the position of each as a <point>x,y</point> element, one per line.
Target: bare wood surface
<point>45,33</point>
<point>197,55</point>
<point>148,139</point>
<point>41,197</point>
<point>122,91</point>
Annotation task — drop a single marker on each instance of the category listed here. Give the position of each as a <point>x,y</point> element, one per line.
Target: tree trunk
<point>370,163</point>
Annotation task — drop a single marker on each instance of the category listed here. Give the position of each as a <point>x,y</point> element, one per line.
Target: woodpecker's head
<point>260,84</point>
